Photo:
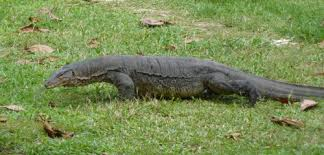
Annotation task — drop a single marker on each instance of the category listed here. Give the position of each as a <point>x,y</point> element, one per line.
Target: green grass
<point>236,33</point>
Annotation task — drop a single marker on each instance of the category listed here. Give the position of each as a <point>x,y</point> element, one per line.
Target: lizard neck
<point>95,70</point>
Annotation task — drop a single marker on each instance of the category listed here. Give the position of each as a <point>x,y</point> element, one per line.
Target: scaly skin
<point>175,77</point>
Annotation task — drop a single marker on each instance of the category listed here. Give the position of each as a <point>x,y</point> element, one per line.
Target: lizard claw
<point>254,96</point>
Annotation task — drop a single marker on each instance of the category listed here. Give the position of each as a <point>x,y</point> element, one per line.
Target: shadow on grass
<point>83,96</point>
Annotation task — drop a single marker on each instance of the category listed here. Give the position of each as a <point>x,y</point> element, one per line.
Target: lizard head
<point>64,77</point>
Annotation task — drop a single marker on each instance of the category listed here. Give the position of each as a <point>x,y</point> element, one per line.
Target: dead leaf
<point>140,53</point>
<point>13,107</point>
<point>170,47</point>
<point>53,17</point>
<point>24,62</point>
<point>47,59</point>
<point>321,44</point>
<point>282,42</point>
<point>189,40</point>
<point>288,122</point>
<point>307,104</point>
<point>319,74</point>
<point>234,135</point>
<point>38,48</point>
<point>55,133</point>
<point>32,28</point>
<point>52,104</point>
<point>154,22</point>
<point>51,131</point>
<point>50,14</point>
<point>34,19</point>
<point>3,120</point>
<point>93,43</point>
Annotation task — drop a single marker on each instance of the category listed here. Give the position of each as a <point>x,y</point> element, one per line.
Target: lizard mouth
<point>49,85</point>
<point>52,84</point>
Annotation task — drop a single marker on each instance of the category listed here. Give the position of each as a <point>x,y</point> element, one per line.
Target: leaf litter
<point>43,60</point>
<point>234,135</point>
<point>170,47</point>
<point>39,48</point>
<point>149,22</point>
<point>321,44</point>
<point>189,40</point>
<point>319,74</point>
<point>287,122</point>
<point>53,132</point>
<point>307,104</point>
<point>13,107</point>
<point>34,19</point>
<point>3,119</point>
<point>32,28</point>
<point>282,42</point>
<point>93,43</point>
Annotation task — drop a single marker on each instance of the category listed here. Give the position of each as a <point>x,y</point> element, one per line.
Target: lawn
<point>240,34</point>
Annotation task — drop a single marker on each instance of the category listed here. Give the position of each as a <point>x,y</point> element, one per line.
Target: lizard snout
<point>47,84</point>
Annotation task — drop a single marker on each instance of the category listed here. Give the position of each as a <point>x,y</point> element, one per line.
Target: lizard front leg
<point>220,83</point>
<point>124,84</point>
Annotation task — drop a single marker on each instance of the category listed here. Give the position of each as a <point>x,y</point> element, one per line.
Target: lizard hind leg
<point>246,88</point>
<point>220,83</point>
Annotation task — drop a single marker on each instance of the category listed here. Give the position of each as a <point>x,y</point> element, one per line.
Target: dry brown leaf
<point>140,53</point>
<point>3,120</point>
<point>171,47</point>
<point>234,135</point>
<point>154,22</point>
<point>29,28</point>
<point>52,104</point>
<point>55,133</point>
<point>50,14</point>
<point>319,74</point>
<point>13,107</point>
<point>51,131</point>
<point>32,28</point>
<point>38,48</point>
<point>321,44</point>
<point>307,104</point>
<point>190,40</point>
<point>93,43</point>
<point>288,122</point>
<point>53,17</point>
<point>34,19</point>
<point>47,59</point>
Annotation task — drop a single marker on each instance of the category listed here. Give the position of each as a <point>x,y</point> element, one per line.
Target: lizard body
<point>175,77</point>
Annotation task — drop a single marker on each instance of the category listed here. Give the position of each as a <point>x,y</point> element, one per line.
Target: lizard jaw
<point>49,84</point>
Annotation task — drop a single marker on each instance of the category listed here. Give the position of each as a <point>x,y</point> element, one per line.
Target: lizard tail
<point>284,91</point>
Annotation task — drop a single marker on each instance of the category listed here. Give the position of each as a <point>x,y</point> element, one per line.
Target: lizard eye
<point>67,74</point>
